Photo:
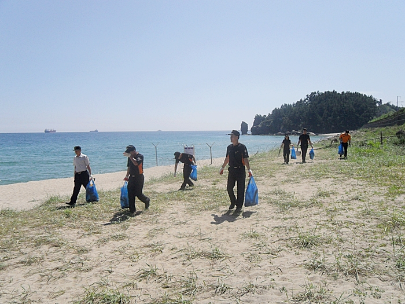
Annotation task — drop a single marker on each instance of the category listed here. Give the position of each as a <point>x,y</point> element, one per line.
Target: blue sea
<point>39,156</point>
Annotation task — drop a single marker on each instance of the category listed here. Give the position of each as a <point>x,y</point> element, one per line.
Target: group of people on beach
<point>304,140</point>
<point>237,159</point>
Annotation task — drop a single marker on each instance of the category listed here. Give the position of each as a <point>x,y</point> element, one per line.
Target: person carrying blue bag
<point>238,158</point>
<point>188,160</point>
<point>82,174</point>
<point>304,140</point>
<point>286,149</point>
<point>135,179</point>
<point>345,140</point>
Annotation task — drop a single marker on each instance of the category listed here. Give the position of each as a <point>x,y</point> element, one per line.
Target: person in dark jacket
<point>135,178</point>
<point>238,158</point>
<point>286,148</point>
<point>304,140</point>
<point>187,160</point>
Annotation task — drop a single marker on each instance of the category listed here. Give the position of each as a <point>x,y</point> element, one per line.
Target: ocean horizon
<point>40,156</point>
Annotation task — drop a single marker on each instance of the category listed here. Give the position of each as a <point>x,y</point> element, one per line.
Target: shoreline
<point>24,196</point>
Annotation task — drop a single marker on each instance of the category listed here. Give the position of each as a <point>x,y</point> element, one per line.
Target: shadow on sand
<point>230,216</point>
<point>122,216</point>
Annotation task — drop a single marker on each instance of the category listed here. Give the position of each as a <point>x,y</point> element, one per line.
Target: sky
<point>184,65</point>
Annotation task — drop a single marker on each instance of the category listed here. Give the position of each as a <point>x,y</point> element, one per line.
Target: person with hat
<point>238,158</point>
<point>187,160</point>
<point>345,139</point>
<point>135,178</point>
<point>82,173</point>
<point>304,140</point>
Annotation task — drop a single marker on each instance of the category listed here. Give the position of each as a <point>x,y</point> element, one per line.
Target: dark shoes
<point>238,210</point>
<point>71,204</point>
<point>231,206</point>
<point>147,204</point>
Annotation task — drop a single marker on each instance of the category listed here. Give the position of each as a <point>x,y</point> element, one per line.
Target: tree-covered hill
<point>325,112</point>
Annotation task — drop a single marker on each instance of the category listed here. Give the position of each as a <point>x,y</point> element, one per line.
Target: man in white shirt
<point>82,173</point>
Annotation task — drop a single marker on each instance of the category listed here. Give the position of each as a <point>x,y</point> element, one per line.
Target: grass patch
<point>103,296</point>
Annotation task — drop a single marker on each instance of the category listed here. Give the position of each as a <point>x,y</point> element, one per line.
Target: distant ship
<point>94,130</point>
<point>50,130</point>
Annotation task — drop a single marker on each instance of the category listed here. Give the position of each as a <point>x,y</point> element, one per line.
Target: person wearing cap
<point>304,140</point>
<point>345,139</point>
<point>286,149</point>
<point>135,178</point>
<point>187,160</point>
<point>238,158</point>
<point>82,173</point>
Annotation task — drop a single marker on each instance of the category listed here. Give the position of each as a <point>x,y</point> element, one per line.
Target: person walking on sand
<point>286,148</point>
<point>187,160</point>
<point>345,139</point>
<point>237,157</point>
<point>135,178</point>
<point>304,140</point>
<point>82,173</point>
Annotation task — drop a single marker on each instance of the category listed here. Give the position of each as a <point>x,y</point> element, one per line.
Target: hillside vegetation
<point>325,112</point>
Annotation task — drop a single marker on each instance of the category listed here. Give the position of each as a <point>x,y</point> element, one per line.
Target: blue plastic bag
<point>252,193</point>
<point>124,196</point>
<point>311,154</point>
<point>340,150</point>
<point>193,174</point>
<point>293,155</point>
<point>91,192</point>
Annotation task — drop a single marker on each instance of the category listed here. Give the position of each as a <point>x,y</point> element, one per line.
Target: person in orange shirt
<point>345,139</point>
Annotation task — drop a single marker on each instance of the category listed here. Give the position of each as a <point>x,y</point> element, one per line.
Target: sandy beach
<point>306,242</point>
<point>23,196</point>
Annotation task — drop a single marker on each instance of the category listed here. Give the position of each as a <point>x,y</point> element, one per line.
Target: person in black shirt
<point>135,178</point>
<point>187,160</point>
<point>304,140</point>
<point>237,157</point>
<point>286,148</point>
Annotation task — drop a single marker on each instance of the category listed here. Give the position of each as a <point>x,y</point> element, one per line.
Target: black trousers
<point>135,188</point>
<point>81,179</point>
<point>304,150</point>
<point>238,176</point>
<point>186,177</point>
<point>345,145</point>
<point>286,154</point>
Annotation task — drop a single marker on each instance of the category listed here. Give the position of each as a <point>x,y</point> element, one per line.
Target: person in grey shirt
<point>82,173</point>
